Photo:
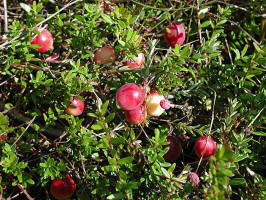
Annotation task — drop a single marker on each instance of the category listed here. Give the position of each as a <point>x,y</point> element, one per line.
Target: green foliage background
<point>215,81</point>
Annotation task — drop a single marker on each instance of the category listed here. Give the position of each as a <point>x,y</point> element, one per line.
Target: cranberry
<point>200,146</point>
<point>175,34</point>
<point>44,39</point>
<point>76,107</point>
<point>130,96</point>
<point>175,149</point>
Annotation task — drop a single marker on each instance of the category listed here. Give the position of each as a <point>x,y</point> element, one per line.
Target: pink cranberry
<point>76,107</point>
<point>193,178</point>
<point>165,104</point>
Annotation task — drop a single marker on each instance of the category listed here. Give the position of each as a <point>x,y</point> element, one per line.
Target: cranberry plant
<point>210,85</point>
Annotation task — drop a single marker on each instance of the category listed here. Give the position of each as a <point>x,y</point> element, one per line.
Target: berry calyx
<point>130,96</point>
<point>200,146</point>
<point>44,39</point>
<point>175,34</point>
<point>193,178</point>
<point>165,104</point>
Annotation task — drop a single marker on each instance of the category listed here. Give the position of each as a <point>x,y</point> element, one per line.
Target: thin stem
<point>214,100</point>
<point>5,13</point>
<point>29,124</point>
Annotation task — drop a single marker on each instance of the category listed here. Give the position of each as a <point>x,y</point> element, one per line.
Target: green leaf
<point>129,34</point>
<point>97,127</point>
<point>257,47</point>
<point>240,157</point>
<point>30,181</point>
<point>119,140</point>
<point>107,18</point>
<point>157,135</point>
<point>92,115</point>
<point>205,24</point>
<point>237,54</point>
<point>132,185</point>
<point>26,7</point>
<point>244,51</point>
<point>110,117</point>
<point>227,172</point>
<point>116,196</point>
<point>126,160</point>
<point>122,42</point>
<point>260,133</point>
<point>237,181</point>
<point>222,22</point>
<point>165,172</point>
<point>104,108</point>
<point>59,22</point>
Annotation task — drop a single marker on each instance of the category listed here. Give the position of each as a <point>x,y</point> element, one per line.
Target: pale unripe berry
<point>153,106</point>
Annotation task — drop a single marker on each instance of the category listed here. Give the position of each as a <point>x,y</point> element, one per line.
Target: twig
<point>25,192</point>
<point>256,116</point>
<point>5,13</point>
<point>198,19</point>
<point>234,23</point>
<point>144,133</point>
<point>229,52</point>
<point>29,124</point>
<point>82,163</point>
<point>167,9</point>
<point>31,66</point>
<point>51,16</point>
<point>214,100</point>
<point>232,5</point>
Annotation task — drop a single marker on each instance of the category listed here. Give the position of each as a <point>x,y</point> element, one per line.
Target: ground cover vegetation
<point>134,99</point>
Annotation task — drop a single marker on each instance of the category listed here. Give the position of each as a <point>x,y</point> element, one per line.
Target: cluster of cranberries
<point>132,98</point>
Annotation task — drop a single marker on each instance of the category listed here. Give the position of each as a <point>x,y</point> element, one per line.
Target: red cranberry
<point>130,96</point>
<point>44,39</point>
<point>76,107</point>
<point>177,34</point>
<point>136,116</point>
<point>175,149</point>
<point>200,146</point>
<point>63,188</point>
